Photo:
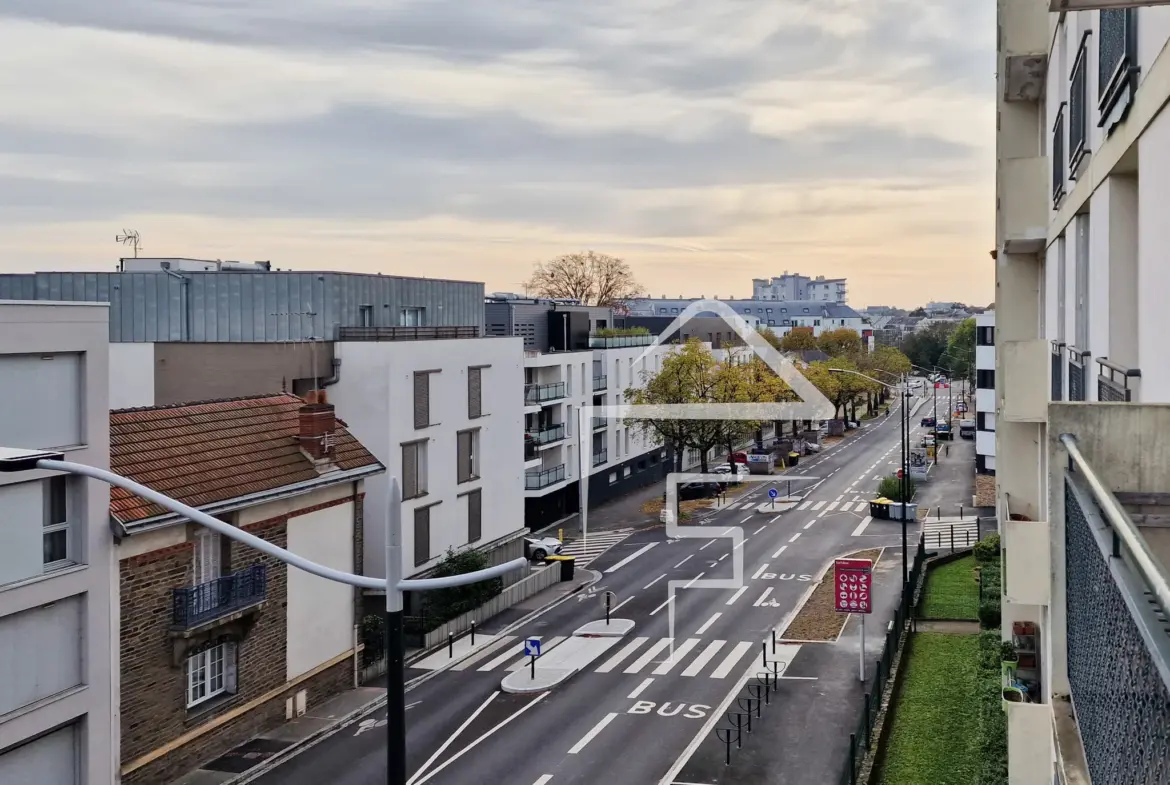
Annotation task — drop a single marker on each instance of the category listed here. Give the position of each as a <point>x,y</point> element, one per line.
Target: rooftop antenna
<point>131,239</point>
<point>311,338</point>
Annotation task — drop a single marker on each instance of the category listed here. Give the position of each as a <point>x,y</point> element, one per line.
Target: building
<point>985,393</point>
<point>794,286</point>
<point>780,317</point>
<point>220,641</point>
<point>1083,153</point>
<point>58,712</point>
<point>709,329</point>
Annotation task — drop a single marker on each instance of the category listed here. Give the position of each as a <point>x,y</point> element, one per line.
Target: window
<point>422,536</point>
<point>474,393</point>
<point>474,516</point>
<point>816,322</point>
<point>467,455</point>
<point>422,399</point>
<point>210,673</point>
<point>985,336</point>
<point>57,533</point>
<point>412,317</point>
<point>414,469</point>
<point>985,380</point>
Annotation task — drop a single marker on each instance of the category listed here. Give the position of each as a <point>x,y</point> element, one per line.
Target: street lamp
<point>16,460</point>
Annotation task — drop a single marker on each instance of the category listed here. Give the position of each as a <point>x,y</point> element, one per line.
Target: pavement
<point>642,711</point>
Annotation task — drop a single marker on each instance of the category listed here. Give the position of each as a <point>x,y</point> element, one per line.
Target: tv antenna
<point>299,337</point>
<point>131,239</point>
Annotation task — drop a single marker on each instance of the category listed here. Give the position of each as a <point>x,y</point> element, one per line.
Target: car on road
<point>540,548</point>
<point>927,422</point>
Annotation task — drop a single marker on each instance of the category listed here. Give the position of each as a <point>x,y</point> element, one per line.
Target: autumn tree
<point>593,278</point>
<point>959,357</point>
<point>826,382</point>
<point>925,347</point>
<point>841,342</point>
<point>798,339</point>
<point>774,340</point>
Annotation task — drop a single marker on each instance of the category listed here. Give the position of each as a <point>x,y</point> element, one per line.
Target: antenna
<point>310,339</point>
<point>131,239</point>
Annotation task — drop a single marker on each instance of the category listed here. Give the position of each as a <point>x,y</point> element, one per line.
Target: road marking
<point>761,571</point>
<point>675,657</point>
<point>491,648</point>
<point>724,556</point>
<point>701,661</point>
<point>617,659</point>
<point>775,519</point>
<point>861,526</point>
<point>710,543</point>
<point>692,581</point>
<point>620,604</point>
<point>649,655</point>
<point>818,505</point>
<point>737,595</point>
<point>745,520</point>
<point>588,737</point>
<point>832,506</point>
<point>810,523</point>
<point>656,580</point>
<point>730,529</point>
<point>640,689</point>
<point>757,531</point>
<point>505,657</point>
<point>793,537</point>
<point>669,600</point>
<point>453,736</point>
<point>741,542</point>
<point>707,624</point>
<point>804,506</point>
<point>731,659</point>
<point>544,778</point>
<point>684,561</point>
<point>783,548</point>
<point>763,597</point>
<point>630,558</point>
<point>544,649</point>
<point>477,742</point>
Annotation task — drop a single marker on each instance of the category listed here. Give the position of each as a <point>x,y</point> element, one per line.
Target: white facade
<point>779,317</point>
<point>794,286</point>
<point>376,397</point>
<point>58,711</point>
<point>985,392</point>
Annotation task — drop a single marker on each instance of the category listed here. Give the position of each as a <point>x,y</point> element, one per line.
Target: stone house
<point>219,641</point>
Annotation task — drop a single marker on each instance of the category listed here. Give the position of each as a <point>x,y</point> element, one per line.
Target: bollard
<point>952,538</point>
<point>767,684</point>
<point>978,529</point>
<point>789,489</point>
<point>561,535</point>
<point>737,718</point>
<point>960,512</point>
<point>968,538</point>
<point>752,707</point>
<point>939,513</point>
<point>450,644</point>
<point>473,635</point>
<point>532,666</point>
<point>724,735</point>
<point>773,640</point>
<point>764,651</point>
<point>760,695</point>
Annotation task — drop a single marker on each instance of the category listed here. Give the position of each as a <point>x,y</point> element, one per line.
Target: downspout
<point>336,377</point>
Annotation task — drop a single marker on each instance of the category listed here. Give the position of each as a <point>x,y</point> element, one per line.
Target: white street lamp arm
<point>288,557</point>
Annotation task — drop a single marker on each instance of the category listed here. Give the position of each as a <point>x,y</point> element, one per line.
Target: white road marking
<point>649,655</point>
<point>675,657</point>
<point>707,624</point>
<point>684,561</point>
<point>730,529</point>
<point>775,519</point>
<point>453,736</point>
<point>630,558</point>
<point>477,742</point>
<point>544,778</point>
<point>731,659</point>
<point>491,648</point>
<point>757,531</point>
<point>620,604</point>
<point>640,689</point>
<point>741,542</point>
<point>793,537</point>
<point>505,657</point>
<point>810,523</point>
<point>701,661</point>
<point>669,600</point>
<point>588,737</point>
<point>691,582</point>
<point>763,597</point>
<point>745,520</point>
<point>804,506</point>
<point>818,505</point>
<point>861,526</point>
<point>724,556</point>
<point>710,543</point>
<point>737,595</point>
<point>656,580</point>
<point>617,659</point>
<point>776,555</point>
<point>759,572</point>
<point>832,506</point>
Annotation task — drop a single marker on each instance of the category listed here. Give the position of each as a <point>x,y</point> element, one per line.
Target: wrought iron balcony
<point>220,597</point>
<point>1078,388</point>
<point>1057,371</point>
<point>553,433</point>
<point>543,393</point>
<point>534,481</point>
<point>600,457</point>
<point>1058,157</point>
<point>1114,380</point>
<point>600,382</point>
<point>1118,596</point>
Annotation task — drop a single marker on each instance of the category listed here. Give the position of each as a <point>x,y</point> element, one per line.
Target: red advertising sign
<point>852,579</point>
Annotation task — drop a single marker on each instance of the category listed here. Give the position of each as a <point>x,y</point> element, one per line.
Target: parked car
<point>698,490</point>
<point>540,548</point>
<point>741,470</point>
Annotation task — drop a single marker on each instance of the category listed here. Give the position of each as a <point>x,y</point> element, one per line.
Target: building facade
<point>780,317</point>
<point>794,286</point>
<point>58,654</point>
<point>220,641</point>
<point>985,393</point>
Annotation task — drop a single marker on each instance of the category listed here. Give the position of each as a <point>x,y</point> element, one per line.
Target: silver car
<point>540,548</point>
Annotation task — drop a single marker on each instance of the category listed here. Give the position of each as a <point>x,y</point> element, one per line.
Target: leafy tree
<point>960,353</point>
<point>891,488</point>
<point>829,384</point>
<point>798,339</point>
<point>772,338</point>
<point>841,342</point>
<point>445,604</point>
<point>925,347</point>
<point>592,278</point>
<point>918,312</point>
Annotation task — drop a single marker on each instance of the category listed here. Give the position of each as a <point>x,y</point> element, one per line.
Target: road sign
<point>532,647</point>
<point>773,493</point>
<point>852,581</point>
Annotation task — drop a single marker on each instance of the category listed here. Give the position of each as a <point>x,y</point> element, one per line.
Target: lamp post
<point>16,460</point>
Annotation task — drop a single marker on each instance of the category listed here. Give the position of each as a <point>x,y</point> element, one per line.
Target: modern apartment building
<point>1082,383</point>
<point>985,393</point>
<point>794,286</point>
<point>58,614</point>
<point>780,317</point>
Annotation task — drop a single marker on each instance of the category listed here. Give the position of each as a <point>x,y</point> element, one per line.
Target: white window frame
<point>210,673</point>
<point>68,525</point>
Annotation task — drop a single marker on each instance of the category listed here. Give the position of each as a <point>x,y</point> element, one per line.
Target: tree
<point>960,353</point>
<point>829,384</point>
<point>445,604</point>
<point>798,339</point>
<point>593,278</point>
<point>925,347</point>
<point>841,342</point>
<point>772,338</point>
<point>918,312</point>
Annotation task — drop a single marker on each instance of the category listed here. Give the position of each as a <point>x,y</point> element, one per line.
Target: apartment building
<point>1083,154</point>
<point>985,393</point>
<point>794,286</point>
<point>58,704</point>
<point>220,641</point>
<point>780,317</point>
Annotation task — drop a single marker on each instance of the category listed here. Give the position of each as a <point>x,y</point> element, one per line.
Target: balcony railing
<point>600,382</point>
<point>619,341</point>
<point>543,393</point>
<point>600,422</point>
<point>530,445</point>
<point>1077,375</point>
<point>1078,109</point>
<point>1057,371</point>
<point>406,333</point>
<point>554,433</point>
<point>1117,67</point>
<point>1113,382</point>
<point>1058,157</point>
<point>204,602</point>
<point>600,457</point>
<point>1117,597</point>
<point>534,481</point>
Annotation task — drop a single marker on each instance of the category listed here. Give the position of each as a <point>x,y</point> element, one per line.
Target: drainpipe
<point>335,378</point>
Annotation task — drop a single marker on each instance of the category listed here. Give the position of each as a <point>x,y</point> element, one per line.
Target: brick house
<point>218,640</point>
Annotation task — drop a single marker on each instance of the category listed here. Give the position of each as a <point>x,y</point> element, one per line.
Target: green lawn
<point>935,738</point>
<point>952,592</point>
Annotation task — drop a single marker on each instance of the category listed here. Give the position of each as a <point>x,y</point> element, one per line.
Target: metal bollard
<point>725,735</point>
<point>952,537</point>
<point>737,718</point>
<point>773,640</point>
<point>960,512</point>
<point>450,644</point>
<point>473,634</point>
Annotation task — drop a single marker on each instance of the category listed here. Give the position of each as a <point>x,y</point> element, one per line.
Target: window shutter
<point>229,667</point>
<point>422,536</point>
<point>474,393</point>
<point>463,455</point>
<point>474,521</point>
<point>422,399</point>
<point>409,471</point>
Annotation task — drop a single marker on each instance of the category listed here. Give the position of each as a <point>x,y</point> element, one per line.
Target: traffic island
<point>818,620</point>
<point>563,662</point>
<point>778,506</point>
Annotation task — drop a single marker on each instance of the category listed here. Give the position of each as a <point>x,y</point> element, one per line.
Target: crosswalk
<point>937,534</point>
<point>828,506</point>
<point>589,549</point>
<point>692,657</point>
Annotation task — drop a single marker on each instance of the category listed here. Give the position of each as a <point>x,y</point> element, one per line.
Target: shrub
<point>891,488</point>
<point>989,614</point>
<point>446,604</point>
<point>987,550</point>
<point>992,719</point>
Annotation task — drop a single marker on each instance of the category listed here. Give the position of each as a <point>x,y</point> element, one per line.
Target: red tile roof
<point>213,451</point>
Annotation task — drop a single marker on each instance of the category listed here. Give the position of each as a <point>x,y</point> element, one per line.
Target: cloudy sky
<point>705,142</point>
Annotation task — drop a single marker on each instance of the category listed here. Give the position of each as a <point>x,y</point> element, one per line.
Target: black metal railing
<point>600,422</point>
<point>600,382</point>
<point>1057,371</point>
<point>406,333</point>
<point>1078,108</point>
<point>553,433</point>
<point>541,393</point>
<point>204,602</point>
<point>1118,648</point>
<point>534,481</point>
<point>1058,157</point>
<point>600,457</point>
<point>1077,382</point>
<point>1117,65</point>
<point>530,445</point>
<point>1113,382</point>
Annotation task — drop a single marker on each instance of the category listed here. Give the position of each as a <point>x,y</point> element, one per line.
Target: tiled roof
<point>213,451</point>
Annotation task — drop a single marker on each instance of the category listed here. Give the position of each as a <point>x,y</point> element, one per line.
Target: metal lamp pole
<point>15,460</point>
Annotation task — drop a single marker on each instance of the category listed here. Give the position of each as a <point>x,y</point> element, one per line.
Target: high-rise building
<point>794,286</point>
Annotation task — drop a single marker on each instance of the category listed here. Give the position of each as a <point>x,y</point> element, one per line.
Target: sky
<point>706,143</point>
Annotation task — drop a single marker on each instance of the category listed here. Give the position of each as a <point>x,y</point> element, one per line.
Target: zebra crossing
<point>828,506</point>
<point>716,659</point>
<point>588,549</point>
<point>937,534</point>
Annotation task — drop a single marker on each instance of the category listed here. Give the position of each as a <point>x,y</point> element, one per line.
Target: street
<point>636,714</point>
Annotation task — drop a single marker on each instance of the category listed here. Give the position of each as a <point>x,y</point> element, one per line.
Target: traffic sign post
<point>609,598</point>
<point>532,649</point>
<point>772,494</point>
<point>853,581</point>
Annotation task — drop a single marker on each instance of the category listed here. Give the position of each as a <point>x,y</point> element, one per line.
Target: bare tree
<point>592,278</point>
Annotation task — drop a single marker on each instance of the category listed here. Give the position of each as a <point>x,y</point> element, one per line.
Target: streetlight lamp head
<point>13,459</point>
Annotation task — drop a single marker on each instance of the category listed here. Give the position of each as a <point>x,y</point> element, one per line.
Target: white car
<point>740,470</point>
<point>540,548</point>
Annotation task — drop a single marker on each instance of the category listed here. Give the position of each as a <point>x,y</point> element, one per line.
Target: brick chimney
<point>317,421</point>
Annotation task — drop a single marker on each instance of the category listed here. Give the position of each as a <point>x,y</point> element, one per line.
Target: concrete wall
<point>132,375</point>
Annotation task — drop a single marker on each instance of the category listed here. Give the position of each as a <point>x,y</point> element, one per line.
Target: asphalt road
<point>635,721</point>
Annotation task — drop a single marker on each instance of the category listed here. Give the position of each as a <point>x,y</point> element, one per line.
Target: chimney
<point>317,421</point>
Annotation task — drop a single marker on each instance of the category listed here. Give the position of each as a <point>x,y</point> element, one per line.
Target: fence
<point>955,535</point>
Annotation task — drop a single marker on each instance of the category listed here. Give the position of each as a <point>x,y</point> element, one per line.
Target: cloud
<point>792,131</point>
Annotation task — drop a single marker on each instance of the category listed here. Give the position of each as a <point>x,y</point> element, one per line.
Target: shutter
<point>474,393</point>
<point>422,399</point>
<point>409,470</point>
<point>229,667</point>
<point>422,536</point>
<point>463,455</point>
<point>474,521</point>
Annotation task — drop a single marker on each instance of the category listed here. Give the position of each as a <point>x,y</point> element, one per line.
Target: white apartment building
<point>1083,162</point>
<point>985,393</point>
<point>58,617</point>
<point>794,286</point>
<point>780,317</point>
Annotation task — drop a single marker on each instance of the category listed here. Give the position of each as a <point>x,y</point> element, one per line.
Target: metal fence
<point>195,605</point>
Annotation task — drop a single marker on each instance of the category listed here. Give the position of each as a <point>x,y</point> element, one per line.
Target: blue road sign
<point>532,647</point>
<point>773,493</point>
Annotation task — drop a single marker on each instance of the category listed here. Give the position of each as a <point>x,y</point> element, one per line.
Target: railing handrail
<point>1151,569</point>
<point>1121,369</point>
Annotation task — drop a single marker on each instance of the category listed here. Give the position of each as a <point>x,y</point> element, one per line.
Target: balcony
<point>600,422</point>
<point>536,394</point>
<point>218,599</point>
<point>1078,110</point>
<point>1022,390</point>
<point>600,457</point>
<point>1025,78</point>
<point>1023,205</point>
<point>1078,388</point>
<point>440,333</point>
<point>1057,371</point>
<point>1113,382</point>
<point>600,383</point>
<point>618,339</point>
<point>1057,158</point>
<point>534,481</point>
<point>1117,64</point>
<point>553,433</point>
<point>530,445</point>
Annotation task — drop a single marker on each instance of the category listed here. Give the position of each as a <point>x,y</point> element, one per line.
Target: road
<point>636,714</point>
